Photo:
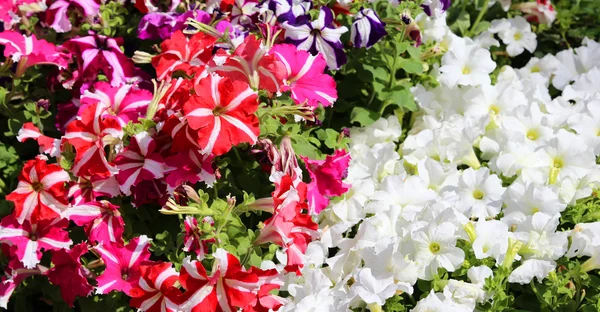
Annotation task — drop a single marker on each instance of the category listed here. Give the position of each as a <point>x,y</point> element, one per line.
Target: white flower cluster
<point>420,206</point>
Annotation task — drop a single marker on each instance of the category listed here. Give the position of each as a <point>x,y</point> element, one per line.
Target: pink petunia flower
<point>88,189</point>
<point>304,76</point>
<point>57,15</point>
<point>139,162</point>
<point>326,179</point>
<point>122,264</point>
<point>102,221</point>
<point>97,53</point>
<point>41,192</point>
<point>29,51</point>
<point>30,239</point>
<point>125,102</point>
<point>69,274</point>
<point>191,166</point>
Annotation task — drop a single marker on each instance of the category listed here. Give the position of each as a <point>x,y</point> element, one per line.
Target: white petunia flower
<point>481,193</point>
<point>466,64</point>
<point>435,247</point>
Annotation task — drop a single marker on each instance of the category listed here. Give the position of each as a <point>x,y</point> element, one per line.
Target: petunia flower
<point>244,12</point>
<point>466,64</point>
<point>161,25</point>
<point>326,179</point>
<point>29,51</point>
<point>191,240</point>
<point>435,8</point>
<point>102,221</point>
<point>30,238</point>
<point>182,53</point>
<point>88,189</point>
<point>48,145</point>
<point>156,290</point>
<point>304,76</point>
<point>69,274</point>
<point>97,53</point>
<point>89,136</point>
<point>222,112</point>
<point>367,29</point>
<point>41,192</point>
<point>139,162</point>
<point>228,288</point>
<point>539,11</point>
<point>290,11</point>
<point>319,36</point>
<point>189,166</point>
<point>125,102</point>
<point>57,15</point>
<point>516,34</point>
<point>122,262</point>
<point>251,63</point>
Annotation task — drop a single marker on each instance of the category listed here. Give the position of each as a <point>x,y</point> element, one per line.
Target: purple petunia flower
<point>367,29</point>
<point>319,36</point>
<point>435,8</point>
<point>159,25</point>
<point>291,11</point>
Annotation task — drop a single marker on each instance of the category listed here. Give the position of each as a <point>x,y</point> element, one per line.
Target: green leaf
<point>411,66</point>
<point>363,116</point>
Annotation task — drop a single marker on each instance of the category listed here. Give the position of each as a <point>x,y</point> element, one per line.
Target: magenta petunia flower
<point>122,264</point>
<point>102,221</point>
<point>326,179</point>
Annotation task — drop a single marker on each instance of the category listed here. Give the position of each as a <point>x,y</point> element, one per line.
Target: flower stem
<point>480,16</point>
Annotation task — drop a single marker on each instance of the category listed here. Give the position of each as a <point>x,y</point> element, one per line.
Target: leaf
<point>411,66</point>
<point>363,116</point>
<point>462,24</point>
<point>481,27</point>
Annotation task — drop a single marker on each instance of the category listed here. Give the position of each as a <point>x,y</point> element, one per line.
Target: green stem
<point>540,298</point>
<point>480,16</point>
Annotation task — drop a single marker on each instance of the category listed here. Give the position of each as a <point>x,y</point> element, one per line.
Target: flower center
<point>434,247</point>
<point>37,186</point>
<point>33,236</point>
<point>466,70</point>
<point>534,210</point>
<point>477,194</point>
<point>532,134</point>
<point>315,32</point>
<point>518,36</point>
<point>558,163</point>
<point>218,110</point>
<point>535,69</point>
<point>495,109</point>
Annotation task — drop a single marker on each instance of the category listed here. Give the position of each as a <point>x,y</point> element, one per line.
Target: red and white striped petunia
<point>30,239</point>
<point>156,290</point>
<point>251,63</point>
<point>102,220</point>
<point>139,162</point>
<point>90,189</point>
<point>89,136</point>
<point>41,193</point>
<point>122,264</point>
<point>190,166</point>
<point>222,111</point>
<point>48,145</point>
<point>304,76</point>
<point>125,102</point>
<point>183,53</point>
<point>228,288</point>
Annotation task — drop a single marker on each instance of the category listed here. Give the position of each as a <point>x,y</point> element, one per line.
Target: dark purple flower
<point>160,26</point>
<point>367,29</point>
<point>319,36</point>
